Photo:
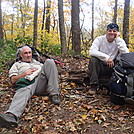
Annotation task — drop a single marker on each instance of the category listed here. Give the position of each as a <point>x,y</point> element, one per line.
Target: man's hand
<point>15,78</point>
<point>30,71</point>
<point>110,63</point>
<point>117,34</point>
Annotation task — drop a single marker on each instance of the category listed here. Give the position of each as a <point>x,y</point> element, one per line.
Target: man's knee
<point>50,62</point>
<point>93,62</point>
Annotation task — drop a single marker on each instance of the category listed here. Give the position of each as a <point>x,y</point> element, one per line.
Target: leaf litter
<point>78,112</point>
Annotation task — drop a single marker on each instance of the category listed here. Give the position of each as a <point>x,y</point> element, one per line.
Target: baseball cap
<point>113,26</point>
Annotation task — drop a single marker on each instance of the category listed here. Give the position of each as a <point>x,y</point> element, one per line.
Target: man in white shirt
<point>30,77</point>
<point>103,52</point>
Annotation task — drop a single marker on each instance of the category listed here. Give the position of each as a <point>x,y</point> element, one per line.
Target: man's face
<point>26,54</point>
<point>111,34</point>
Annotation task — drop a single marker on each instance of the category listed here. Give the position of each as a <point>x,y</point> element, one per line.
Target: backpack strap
<point>130,83</point>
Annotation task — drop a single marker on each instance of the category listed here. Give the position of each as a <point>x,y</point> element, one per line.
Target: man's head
<point>112,32</point>
<point>25,53</point>
<point>113,26</point>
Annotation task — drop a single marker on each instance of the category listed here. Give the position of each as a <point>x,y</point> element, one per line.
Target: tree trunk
<point>75,26</point>
<point>47,27</point>
<point>43,19</point>
<point>1,31</point>
<point>12,24</point>
<point>35,24</point>
<point>62,27</point>
<point>22,18</point>
<point>115,12</point>
<point>92,33</point>
<point>126,21</point>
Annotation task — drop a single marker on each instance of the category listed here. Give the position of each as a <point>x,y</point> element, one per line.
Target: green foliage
<point>54,49</point>
<point>8,52</point>
<point>1,43</point>
<point>8,49</point>
<point>50,43</point>
<point>23,40</point>
<point>72,52</point>
<point>131,48</point>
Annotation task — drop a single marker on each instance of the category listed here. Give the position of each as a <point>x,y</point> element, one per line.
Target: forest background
<point>61,27</point>
<point>65,30</point>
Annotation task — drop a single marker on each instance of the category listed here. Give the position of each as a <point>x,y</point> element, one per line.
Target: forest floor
<point>78,113</point>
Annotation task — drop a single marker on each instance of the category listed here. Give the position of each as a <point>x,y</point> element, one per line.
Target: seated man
<point>40,79</point>
<point>103,52</point>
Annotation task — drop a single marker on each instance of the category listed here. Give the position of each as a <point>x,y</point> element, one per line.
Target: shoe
<point>130,100</point>
<point>55,99</point>
<point>8,121</point>
<point>93,89</point>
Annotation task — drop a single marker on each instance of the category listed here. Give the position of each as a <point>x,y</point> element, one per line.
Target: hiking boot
<point>8,121</point>
<point>93,89</point>
<point>55,99</point>
<point>130,100</point>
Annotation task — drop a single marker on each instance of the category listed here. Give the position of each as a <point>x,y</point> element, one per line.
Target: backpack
<point>122,80</point>
<point>37,55</point>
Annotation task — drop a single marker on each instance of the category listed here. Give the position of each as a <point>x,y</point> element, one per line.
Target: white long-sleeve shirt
<point>104,50</point>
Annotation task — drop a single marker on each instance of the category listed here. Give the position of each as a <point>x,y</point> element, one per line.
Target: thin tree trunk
<point>76,42</point>
<point>43,19</point>
<point>62,27</point>
<point>1,31</point>
<point>115,12</point>
<point>35,24</point>
<point>12,25</point>
<point>92,33</point>
<point>126,21</point>
<point>47,27</point>
<point>22,18</point>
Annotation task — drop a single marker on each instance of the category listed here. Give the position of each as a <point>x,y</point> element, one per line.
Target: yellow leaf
<point>84,116</point>
<point>73,84</point>
<point>67,86</point>
<point>96,118</point>
<point>67,74</point>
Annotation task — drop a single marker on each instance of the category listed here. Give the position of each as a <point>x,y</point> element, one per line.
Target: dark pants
<point>98,68</point>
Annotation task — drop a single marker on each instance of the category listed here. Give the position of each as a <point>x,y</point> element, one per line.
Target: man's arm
<point>95,50</point>
<point>122,46</point>
<point>15,78</point>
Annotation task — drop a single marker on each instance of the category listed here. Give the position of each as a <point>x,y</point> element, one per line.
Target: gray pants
<point>97,68</point>
<point>45,84</point>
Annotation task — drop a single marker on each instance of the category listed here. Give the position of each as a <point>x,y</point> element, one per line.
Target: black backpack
<point>36,54</point>
<point>122,80</point>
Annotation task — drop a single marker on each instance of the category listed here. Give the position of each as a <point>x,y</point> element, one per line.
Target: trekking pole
<point>56,61</point>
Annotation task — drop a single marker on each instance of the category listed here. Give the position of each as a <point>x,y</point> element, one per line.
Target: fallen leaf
<point>117,107</point>
<point>103,117</point>
<point>100,121</point>
<point>84,116</point>
<point>40,118</point>
<point>106,125</point>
